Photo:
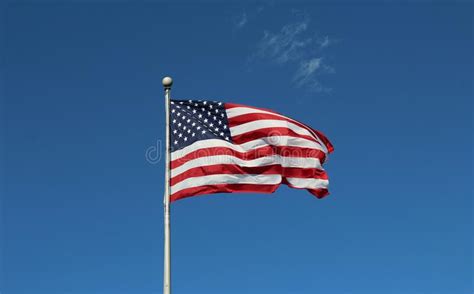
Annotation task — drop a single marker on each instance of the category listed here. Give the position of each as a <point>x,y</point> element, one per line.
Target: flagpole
<point>167,83</point>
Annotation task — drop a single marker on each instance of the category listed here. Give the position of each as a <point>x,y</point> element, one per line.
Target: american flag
<point>221,147</point>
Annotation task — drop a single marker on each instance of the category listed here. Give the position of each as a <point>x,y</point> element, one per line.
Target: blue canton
<point>194,120</point>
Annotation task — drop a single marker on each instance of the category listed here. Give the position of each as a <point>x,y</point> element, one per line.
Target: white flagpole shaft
<point>167,82</point>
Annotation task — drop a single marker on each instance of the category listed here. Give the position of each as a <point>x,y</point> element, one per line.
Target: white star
<point>174,121</point>
<point>194,110</point>
<point>178,114</point>
<point>179,124</point>
<point>211,125</point>
<point>190,101</point>
<point>217,111</point>
<point>175,142</point>
<point>225,127</point>
<point>205,102</point>
<point>188,107</point>
<point>175,131</point>
<point>193,124</point>
<point>177,106</point>
<point>195,104</point>
<point>173,111</point>
<point>210,106</point>
<point>184,128</point>
<point>184,117</point>
<point>220,122</point>
<point>185,138</point>
<point>216,129</point>
<point>200,115</point>
<point>214,118</point>
<point>180,135</point>
<point>172,102</point>
<point>208,113</point>
<point>188,120</point>
<point>205,120</point>
<point>220,103</point>
<point>193,134</point>
<point>198,128</point>
<point>221,133</point>
<point>181,102</point>
<point>189,131</point>
<point>227,138</point>
<point>203,131</point>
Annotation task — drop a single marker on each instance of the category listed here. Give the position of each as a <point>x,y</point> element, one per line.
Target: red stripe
<point>285,151</point>
<point>223,188</point>
<point>276,169</point>
<point>238,188</point>
<point>269,132</point>
<point>245,118</point>
<point>320,193</point>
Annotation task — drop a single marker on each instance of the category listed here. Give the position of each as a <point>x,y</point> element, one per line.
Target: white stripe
<point>268,123</point>
<point>308,183</point>
<point>236,111</point>
<point>262,142</point>
<point>299,162</point>
<point>281,141</point>
<point>226,179</point>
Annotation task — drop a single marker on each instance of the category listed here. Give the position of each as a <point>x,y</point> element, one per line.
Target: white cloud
<point>324,42</point>
<point>286,45</point>
<point>307,74</point>
<point>241,21</point>
<point>252,13</point>
<point>306,69</point>
<point>296,45</point>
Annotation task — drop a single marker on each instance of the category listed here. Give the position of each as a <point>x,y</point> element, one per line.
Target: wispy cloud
<point>295,44</point>
<point>308,72</point>
<point>324,42</point>
<point>240,21</point>
<point>306,69</point>
<point>250,14</point>
<point>286,45</point>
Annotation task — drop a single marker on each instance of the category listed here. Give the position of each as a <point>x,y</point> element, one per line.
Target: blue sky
<point>390,84</point>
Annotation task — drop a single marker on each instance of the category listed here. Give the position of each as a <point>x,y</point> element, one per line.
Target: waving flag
<point>230,148</point>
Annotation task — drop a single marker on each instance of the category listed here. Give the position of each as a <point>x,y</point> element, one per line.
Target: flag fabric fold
<point>221,147</point>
